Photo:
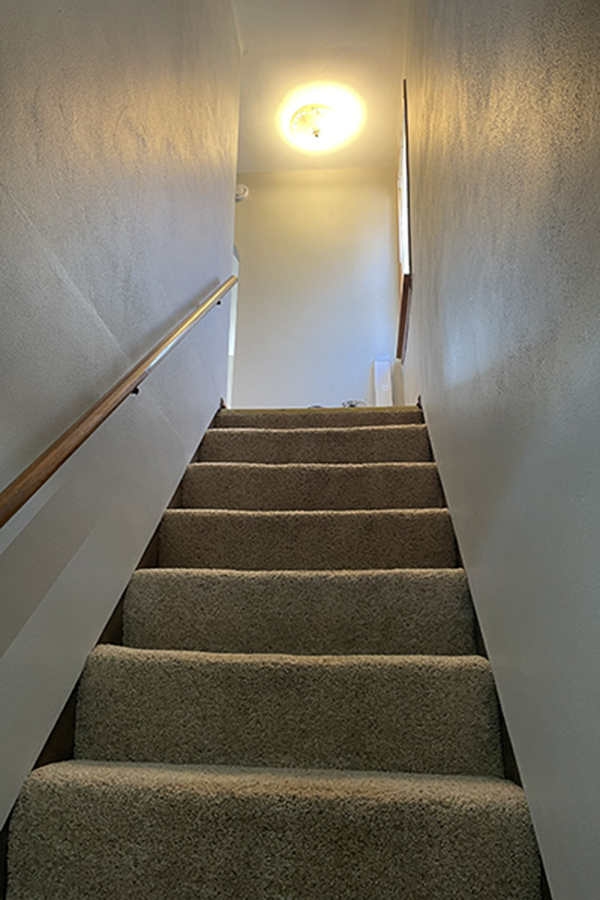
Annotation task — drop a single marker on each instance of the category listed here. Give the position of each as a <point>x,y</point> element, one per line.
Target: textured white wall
<point>504,346</point>
<point>318,297</point>
<point>117,153</point>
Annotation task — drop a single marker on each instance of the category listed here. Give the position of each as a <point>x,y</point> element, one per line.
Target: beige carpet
<point>298,711</point>
<point>325,417</point>
<point>310,486</point>
<point>399,611</point>
<point>361,444</point>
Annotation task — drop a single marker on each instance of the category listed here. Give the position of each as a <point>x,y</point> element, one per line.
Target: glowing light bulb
<point>321,117</point>
<point>312,121</point>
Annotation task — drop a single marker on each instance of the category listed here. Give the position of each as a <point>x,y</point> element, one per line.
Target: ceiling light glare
<point>320,117</point>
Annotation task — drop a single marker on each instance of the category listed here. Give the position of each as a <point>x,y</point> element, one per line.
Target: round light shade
<point>312,123</point>
<point>320,117</point>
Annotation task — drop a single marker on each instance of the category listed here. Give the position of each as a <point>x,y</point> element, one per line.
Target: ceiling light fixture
<point>308,123</point>
<point>320,117</point>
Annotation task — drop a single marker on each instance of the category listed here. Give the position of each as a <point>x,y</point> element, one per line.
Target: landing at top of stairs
<point>316,417</point>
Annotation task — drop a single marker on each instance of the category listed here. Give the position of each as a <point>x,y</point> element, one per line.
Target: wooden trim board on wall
<point>404,232</point>
<point>405,297</point>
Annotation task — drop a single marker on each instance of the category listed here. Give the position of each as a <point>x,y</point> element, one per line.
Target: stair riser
<point>300,613</point>
<point>402,443</point>
<point>437,715</point>
<point>186,834</point>
<point>317,418</point>
<point>281,487</point>
<point>319,540</point>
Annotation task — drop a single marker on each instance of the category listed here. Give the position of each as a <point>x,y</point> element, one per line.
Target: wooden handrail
<point>35,475</point>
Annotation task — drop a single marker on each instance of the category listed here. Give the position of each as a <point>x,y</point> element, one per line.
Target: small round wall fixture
<point>241,192</point>
<point>321,117</point>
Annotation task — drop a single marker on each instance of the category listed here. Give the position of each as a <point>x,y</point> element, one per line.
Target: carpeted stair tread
<point>327,417</point>
<point>309,486</point>
<point>430,714</point>
<point>104,831</point>
<point>382,539</point>
<point>378,443</point>
<point>394,611</point>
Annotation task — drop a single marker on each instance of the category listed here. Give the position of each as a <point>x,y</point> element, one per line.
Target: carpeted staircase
<point>299,711</point>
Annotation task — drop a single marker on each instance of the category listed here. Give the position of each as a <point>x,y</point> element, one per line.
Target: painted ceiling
<point>288,43</point>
